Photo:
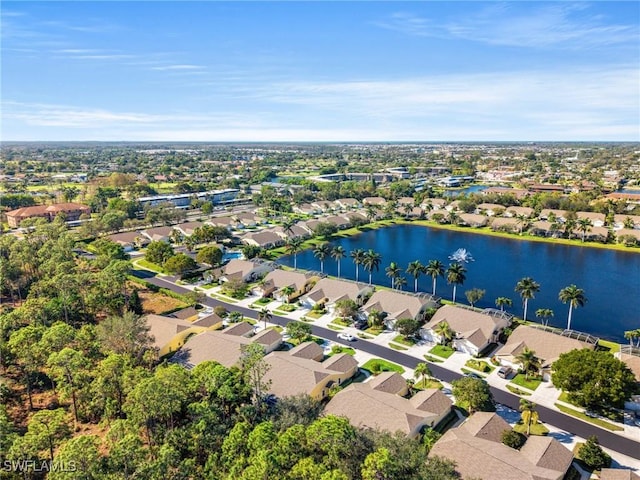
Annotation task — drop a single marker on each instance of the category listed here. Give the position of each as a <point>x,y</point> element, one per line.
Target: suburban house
<point>306,209</point>
<point>542,228</point>
<point>474,330</point>
<point>472,220</point>
<point>368,407</point>
<point>338,221</point>
<point>262,239</point>
<point>328,291</point>
<point>308,350</point>
<point>129,240</point>
<point>248,219</point>
<point>189,314</point>
<point>291,373</point>
<point>158,234</point>
<point>277,280</point>
<point>379,201</point>
<point>296,231</point>
<point>399,305</point>
<point>389,382</point>
<point>226,222</point>
<point>626,221</point>
<point>597,219</point>
<point>477,449</point>
<point>71,212</point>
<point>188,228</point>
<point>618,474</point>
<point>434,204</point>
<point>170,333</point>
<point>631,357</point>
<point>526,212</point>
<point>246,270</point>
<point>550,214</point>
<point>347,203</point>
<point>490,209</point>
<point>547,343</point>
<point>223,347</point>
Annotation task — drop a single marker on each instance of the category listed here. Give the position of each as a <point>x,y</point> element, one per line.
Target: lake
<point>610,279</point>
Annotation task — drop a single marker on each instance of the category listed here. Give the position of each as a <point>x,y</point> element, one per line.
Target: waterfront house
<point>476,448</point>
<point>597,219</point>
<point>526,212</point>
<point>490,209</point>
<point>474,330</point>
<point>504,224</point>
<point>277,280</point>
<point>378,201</point>
<point>547,343</point>
<point>247,270</point>
<point>328,291</point>
<point>262,239</point>
<point>472,220</point>
<point>626,221</point>
<point>551,214</point>
<point>397,305</point>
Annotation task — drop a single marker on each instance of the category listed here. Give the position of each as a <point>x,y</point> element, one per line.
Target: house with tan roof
<point>129,240</point>
<point>221,347</point>
<point>618,474</point>
<point>158,234</point>
<point>327,291</point>
<point>306,209</point>
<point>389,382</point>
<point>597,219</point>
<point>517,211</point>
<point>291,375</point>
<point>366,407</point>
<point>169,333</point>
<point>347,203</point>
<point>71,211</point>
<point>550,213</point>
<point>227,222</point>
<point>379,201</point>
<point>397,305</point>
<point>548,344</point>
<point>248,219</point>
<point>477,450</point>
<point>472,220</point>
<point>490,209</point>
<point>240,329</point>
<point>504,224</point>
<point>475,330</point>
<point>296,231</point>
<point>189,314</point>
<point>434,204</point>
<point>339,221</point>
<point>262,239</point>
<point>246,270</point>
<point>309,350</point>
<point>277,280</point>
<point>626,221</point>
<point>188,228</point>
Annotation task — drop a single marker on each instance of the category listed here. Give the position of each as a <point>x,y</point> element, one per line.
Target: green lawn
<point>517,391</point>
<point>149,266</point>
<point>377,365</point>
<point>342,322</point>
<point>224,298</point>
<point>263,301</point>
<point>429,384</point>
<point>364,336</point>
<point>582,416</point>
<point>537,429</point>
<point>398,347</point>
<point>401,339</point>
<point>531,383</point>
<point>341,349</point>
<point>480,365</point>
<point>315,315</point>
<point>442,351</point>
<point>433,359</point>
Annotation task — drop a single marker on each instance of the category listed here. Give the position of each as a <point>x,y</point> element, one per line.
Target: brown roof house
<point>277,280</point>
<point>547,343</point>
<point>291,373</point>
<point>477,450</point>
<point>262,239</point>
<point>472,220</point>
<point>170,333</point>
<point>369,407</point>
<point>328,291</point>
<point>398,305</point>
<point>71,211</point>
<point>188,228</point>
<point>158,234</point>
<point>129,240</point>
<point>474,330</point>
<point>618,474</point>
<point>246,270</point>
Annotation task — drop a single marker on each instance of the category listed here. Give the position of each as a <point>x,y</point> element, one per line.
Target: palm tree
<point>338,254</point>
<point>446,333</point>
<point>527,288</point>
<point>399,282</point>
<point>416,269</point>
<point>375,318</point>
<point>264,315</point>
<point>434,269</point>
<point>287,226</point>
<point>293,246</point>
<point>575,297</point>
<point>584,225</point>
<point>545,314</point>
<point>529,414</point>
<point>393,271</point>
<point>456,276</point>
<point>423,371</point>
<point>357,256</point>
<point>503,302</point>
<point>321,252</point>
<point>372,259</point>
<point>529,362</point>
<point>287,292</point>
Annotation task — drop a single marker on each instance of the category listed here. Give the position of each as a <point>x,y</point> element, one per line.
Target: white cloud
<point>178,67</point>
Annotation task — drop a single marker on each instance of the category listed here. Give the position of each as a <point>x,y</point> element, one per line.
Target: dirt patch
<point>158,303</point>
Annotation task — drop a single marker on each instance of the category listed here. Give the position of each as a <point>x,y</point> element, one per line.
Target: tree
<point>584,225</point>
<point>434,269</point>
<point>346,308</point>
<point>529,362</point>
<point>135,303</point>
<point>293,246</point>
<point>358,257</point>
<point>287,292</point>
<point>180,263</point>
<point>393,272</point>
<point>211,255</point>
<point>69,368</point>
<point>473,394</point>
<point>513,439</point>
<point>299,331</point>
<point>545,314</point>
<point>235,287</point>
<point>407,326</point>
<point>528,415</point>
<point>592,454</point>
<point>47,428</point>
<point>372,259</point>
<point>445,332</point>
<point>265,316</point>
<point>474,295</point>
<point>376,318</point>
<point>503,302</point>
<point>321,252</point>
<point>631,335</point>
<point>593,379</point>
<point>126,334</point>
<point>235,317</point>
<point>456,276</point>
<point>422,371</point>
<point>158,252</point>
<point>575,297</point>
<point>81,452</point>
<point>338,254</point>
<point>527,288</point>
<point>254,368</point>
<point>415,269</point>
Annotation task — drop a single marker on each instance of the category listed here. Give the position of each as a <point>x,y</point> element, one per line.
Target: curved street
<point>573,425</point>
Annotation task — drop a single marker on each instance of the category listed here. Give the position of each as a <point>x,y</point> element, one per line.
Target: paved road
<point>607,439</point>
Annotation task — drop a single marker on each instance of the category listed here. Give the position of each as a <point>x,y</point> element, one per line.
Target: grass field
<point>531,383</point>
<point>442,351</point>
<point>378,365</point>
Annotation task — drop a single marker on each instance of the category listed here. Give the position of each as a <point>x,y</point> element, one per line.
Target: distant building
<point>71,211</point>
<point>183,200</point>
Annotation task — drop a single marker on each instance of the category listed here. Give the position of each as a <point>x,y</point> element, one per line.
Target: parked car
<point>504,372</point>
<point>361,325</point>
<point>346,336</point>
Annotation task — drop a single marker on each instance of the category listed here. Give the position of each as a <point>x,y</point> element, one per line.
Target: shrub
<point>513,439</point>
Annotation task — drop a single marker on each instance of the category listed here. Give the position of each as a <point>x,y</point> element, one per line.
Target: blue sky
<point>320,71</point>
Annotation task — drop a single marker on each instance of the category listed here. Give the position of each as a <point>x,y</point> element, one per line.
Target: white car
<point>346,336</point>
